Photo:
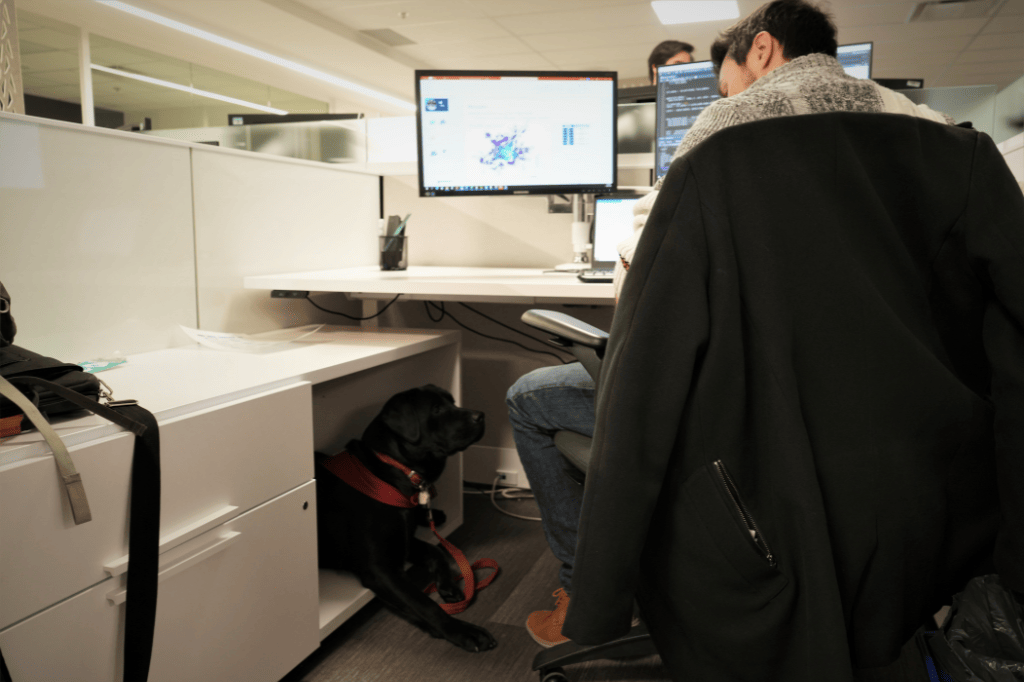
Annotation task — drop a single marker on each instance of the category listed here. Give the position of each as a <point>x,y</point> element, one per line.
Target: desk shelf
<point>486,285</point>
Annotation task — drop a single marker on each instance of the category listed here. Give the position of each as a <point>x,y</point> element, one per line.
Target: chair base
<point>637,642</point>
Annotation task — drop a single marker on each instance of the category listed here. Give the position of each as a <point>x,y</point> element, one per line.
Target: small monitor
<point>684,90</point>
<point>613,224</point>
<point>856,59</point>
<point>516,132</point>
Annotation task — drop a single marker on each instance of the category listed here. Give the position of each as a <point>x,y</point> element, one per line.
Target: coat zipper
<point>748,520</point>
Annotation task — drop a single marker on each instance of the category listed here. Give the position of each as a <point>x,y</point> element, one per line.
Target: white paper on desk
<point>249,343</point>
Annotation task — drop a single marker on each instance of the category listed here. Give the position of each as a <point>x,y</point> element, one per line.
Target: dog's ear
<point>402,423</point>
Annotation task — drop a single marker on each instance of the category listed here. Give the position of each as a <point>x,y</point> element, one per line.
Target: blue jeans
<point>540,403</point>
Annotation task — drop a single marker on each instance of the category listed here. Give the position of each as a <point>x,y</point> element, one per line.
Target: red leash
<point>348,468</point>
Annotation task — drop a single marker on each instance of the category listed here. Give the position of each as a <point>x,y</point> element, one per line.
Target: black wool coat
<point>820,340</point>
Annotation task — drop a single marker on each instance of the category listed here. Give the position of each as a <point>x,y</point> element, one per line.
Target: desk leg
<point>370,308</point>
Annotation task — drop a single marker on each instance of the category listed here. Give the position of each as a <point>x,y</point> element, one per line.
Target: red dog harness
<point>348,468</point>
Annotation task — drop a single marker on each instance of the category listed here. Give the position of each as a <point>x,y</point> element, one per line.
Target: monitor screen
<point>613,223</point>
<point>856,59</point>
<point>684,90</point>
<point>516,132</point>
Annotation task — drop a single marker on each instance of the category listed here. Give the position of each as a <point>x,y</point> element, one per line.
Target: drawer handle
<point>193,530</point>
<point>119,596</point>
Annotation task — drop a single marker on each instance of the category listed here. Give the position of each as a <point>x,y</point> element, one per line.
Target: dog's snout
<point>477,417</point>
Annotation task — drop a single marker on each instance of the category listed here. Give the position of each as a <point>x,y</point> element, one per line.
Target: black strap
<point>143,524</point>
<point>143,546</point>
<point>86,403</point>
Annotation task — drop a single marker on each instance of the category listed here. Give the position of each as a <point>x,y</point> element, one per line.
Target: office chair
<point>587,343</point>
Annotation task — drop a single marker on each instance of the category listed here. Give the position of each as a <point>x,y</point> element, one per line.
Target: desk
<point>426,282</point>
<point>240,591</point>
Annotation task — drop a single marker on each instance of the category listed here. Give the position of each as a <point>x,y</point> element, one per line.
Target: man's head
<point>772,35</point>
<point>668,52</point>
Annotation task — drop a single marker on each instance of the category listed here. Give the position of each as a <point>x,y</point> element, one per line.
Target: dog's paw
<point>472,638</point>
<point>451,593</point>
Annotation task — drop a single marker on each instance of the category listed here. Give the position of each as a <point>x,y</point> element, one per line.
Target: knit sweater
<point>812,84</point>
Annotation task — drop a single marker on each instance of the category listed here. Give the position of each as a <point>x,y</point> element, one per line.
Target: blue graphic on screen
<point>505,150</point>
<point>436,104</point>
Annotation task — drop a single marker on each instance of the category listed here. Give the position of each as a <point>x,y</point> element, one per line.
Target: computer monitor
<point>613,224</point>
<point>856,59</point>
<point>684,90</point>
<point>516,132</point>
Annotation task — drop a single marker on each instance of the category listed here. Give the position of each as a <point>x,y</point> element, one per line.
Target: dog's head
<point>423,424</point>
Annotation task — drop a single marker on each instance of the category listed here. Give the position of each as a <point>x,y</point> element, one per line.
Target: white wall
<point>110,240</point>
<point>96,243</point>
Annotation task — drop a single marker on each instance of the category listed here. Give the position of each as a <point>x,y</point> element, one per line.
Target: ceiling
<point>344,37</point>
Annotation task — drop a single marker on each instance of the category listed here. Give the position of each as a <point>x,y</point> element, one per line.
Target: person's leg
<point>540,403</point>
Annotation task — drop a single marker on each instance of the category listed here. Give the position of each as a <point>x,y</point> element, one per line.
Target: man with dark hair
<point>668,52</point>
<point>779,61</point>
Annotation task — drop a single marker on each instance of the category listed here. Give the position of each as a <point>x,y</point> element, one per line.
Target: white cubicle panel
<point>487,231</point>
<point>256,215</point>
<point>96,244</point>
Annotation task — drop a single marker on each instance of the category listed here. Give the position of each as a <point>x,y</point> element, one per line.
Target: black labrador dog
<point>420,428</point>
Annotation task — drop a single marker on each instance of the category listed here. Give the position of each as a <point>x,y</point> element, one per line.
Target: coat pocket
<point>713,584</point>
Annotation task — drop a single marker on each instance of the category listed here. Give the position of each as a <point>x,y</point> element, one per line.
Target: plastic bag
<point>982,638</point>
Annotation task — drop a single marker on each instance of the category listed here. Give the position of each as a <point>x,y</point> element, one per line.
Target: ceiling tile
<point>914,61</point>
<point>1004,55</point>
<point>995,41</point>
<point>389,14</point>
<point>469,50</point>
<point>595,19</point>
<point>1011,7</point>
<point>1006,24</point>
<point>521,62</point>
<point>935,32</point>
<point>504,8</point>
<point>598,55</point>
<point>573,40</point>
<point>849,16</point>
<point>966,69</point>
<point>465,30</point>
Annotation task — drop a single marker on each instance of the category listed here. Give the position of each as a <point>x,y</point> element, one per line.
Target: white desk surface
<point>496,285</point>
<point>177,381</point>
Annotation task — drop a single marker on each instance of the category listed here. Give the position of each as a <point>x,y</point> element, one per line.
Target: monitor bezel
<point>871,53</point>
<point>529,189</point>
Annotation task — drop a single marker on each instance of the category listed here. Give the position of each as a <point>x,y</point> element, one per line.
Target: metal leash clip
<point>107,396</point>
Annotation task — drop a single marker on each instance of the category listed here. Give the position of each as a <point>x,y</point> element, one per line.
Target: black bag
<point>37,386</point>
<point>982,637</point>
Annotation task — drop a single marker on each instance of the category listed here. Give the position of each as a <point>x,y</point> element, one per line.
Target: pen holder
<point>394,253</point>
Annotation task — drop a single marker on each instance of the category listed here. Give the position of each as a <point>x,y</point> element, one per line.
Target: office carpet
<point>377,646</point>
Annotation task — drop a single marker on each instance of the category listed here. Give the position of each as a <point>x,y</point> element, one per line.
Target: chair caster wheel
<point>553,675</point>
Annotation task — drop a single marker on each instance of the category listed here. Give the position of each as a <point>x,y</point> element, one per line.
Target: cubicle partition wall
<point>110,240</point>
<point>96,243</point>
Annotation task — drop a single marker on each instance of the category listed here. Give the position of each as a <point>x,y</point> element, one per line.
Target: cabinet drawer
<point>244,607</point>
<point>215,464</point>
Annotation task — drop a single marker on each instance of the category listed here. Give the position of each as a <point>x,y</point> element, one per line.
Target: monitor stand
<point>580,238</point>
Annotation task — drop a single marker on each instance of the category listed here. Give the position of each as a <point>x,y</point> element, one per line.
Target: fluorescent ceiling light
<point>185,88</point>
<point>260,54</point>
<point>695,11</point>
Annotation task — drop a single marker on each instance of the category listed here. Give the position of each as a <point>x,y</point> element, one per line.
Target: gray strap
<point>72,479</point>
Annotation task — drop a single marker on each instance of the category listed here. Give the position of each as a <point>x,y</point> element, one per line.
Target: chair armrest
<point>567,328</point>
